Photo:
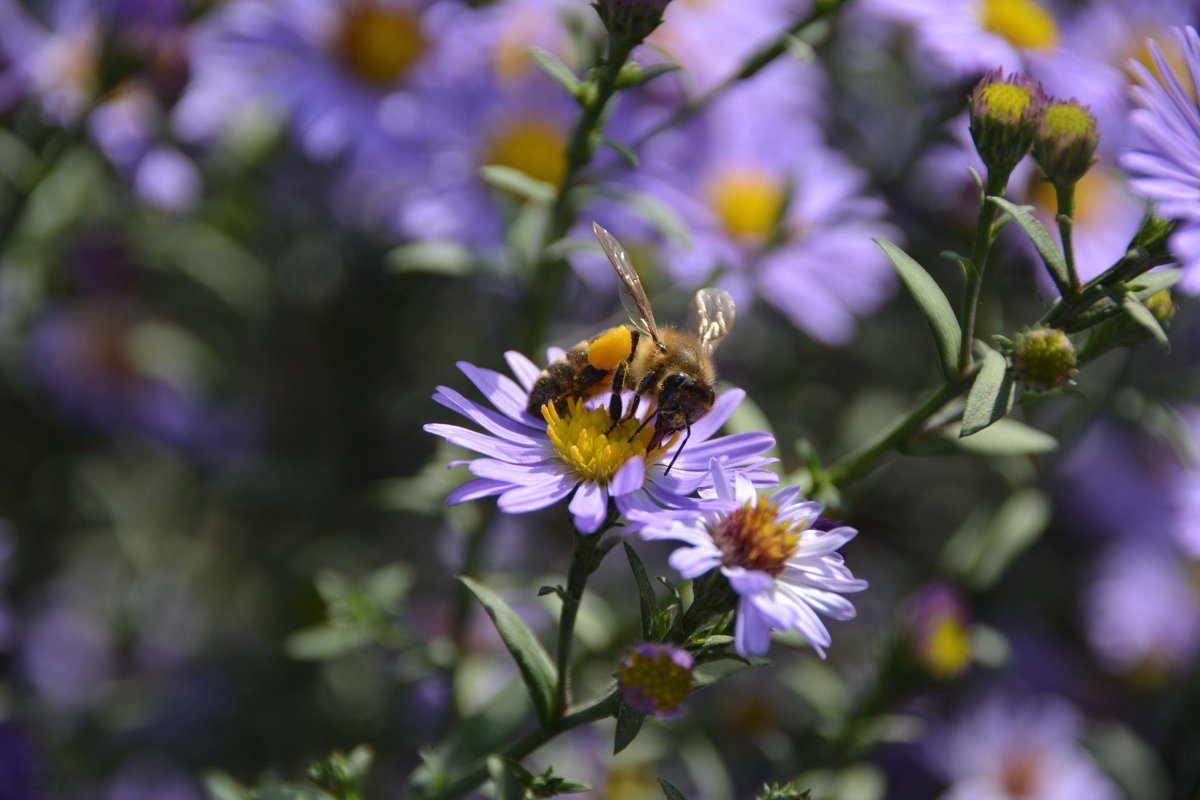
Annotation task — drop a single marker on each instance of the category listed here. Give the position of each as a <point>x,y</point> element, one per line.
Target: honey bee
<point>673,366</point>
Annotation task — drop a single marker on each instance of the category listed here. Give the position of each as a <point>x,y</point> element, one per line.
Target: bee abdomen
<point>569,376</point>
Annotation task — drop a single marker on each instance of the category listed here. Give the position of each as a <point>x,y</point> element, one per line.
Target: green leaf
<point>981,551</point>
<point>1129,759</point>
<point>629,723</point>
<point>559,72</point>
<point>323,642</point>
<point>1004,437</point>
<point>640,76</point>
<point>933,303</point>
<point>712,670</point>
<point>221,786</point>
<point>1141,288</point>
<point>535,665</point>
<point>1052,257</point>
<point>508,785</point>
<point>518,183</point>
<point>623,150</point>
<point>669,789</point>
<point>991,396</point>
<point>438,258</point>
<point>1145,318</point>
<point>646,599</point>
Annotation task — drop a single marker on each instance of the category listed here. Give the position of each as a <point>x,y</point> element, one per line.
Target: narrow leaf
<point>559,72</point>
<point>933,303</point>
<point>669,789</point>
<point>1052,257</point>
<point>623,150</point>
<point>710,671</point>
<point>1145,317</point>
<point>517,182</point>
<point>535,665</point>
<point>508,785</point>
<point>646,599</point>
<point>991,396</point>
<point>1142,287</point>
<point>441,258</point>
<point>647,74</point>
<point>629,723</point>
<point>1004,437</point>
<point>982,550</point>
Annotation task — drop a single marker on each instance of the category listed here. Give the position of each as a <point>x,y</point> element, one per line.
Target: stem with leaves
<point>985,234</point>
<point>583,562</point>
<point>1066,214</point>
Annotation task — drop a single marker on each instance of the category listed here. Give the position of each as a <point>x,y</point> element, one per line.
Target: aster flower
<point>656,679</point>
<point>1017,747</point>
<point>532,463</point>
<point>966,37</point>
<point>785,217</point>
<point>781,566</point>
<point>56,63</point>
<point>938,620</point>
<point>1167,169</point>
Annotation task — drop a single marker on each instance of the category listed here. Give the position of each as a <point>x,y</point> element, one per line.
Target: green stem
<point>984,235</point>
<point>1066,215</point>
<point>900,432</point>
<point>753,64</point>
<point>550,273</point>
<point>597,709</point>
<point>583,557</point>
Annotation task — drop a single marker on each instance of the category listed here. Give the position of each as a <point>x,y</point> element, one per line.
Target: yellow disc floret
<point>586,444</point>
<point>748,202</point>
<point>1023,23</point>
<point>754,537</point>
<point>610,348</point>
<point>946,650</point>
<point>380,44</point>
<point>531,145</point>
<point>1006,101</point>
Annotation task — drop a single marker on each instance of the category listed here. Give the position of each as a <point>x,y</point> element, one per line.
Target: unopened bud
<point>630,20</point>
<point>1044,359</point>
<point>1065,142</point>
<point>656,679</point>
<point>1004,112</point>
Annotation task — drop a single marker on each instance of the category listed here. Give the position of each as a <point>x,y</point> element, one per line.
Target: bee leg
<point>642,388</point>
<point>614,403</point>
<point>686,436</point>
<point>645,422</point>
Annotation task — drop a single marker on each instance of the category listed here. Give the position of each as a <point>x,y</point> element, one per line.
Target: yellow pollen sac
<point>754,537</point>
<point>380,44</point>
<point>583,443</point>
<point>748,202</point>
<point>1023,23</point>
<point>611,348</point>
<point>947,648</point>
<point>533,146</point>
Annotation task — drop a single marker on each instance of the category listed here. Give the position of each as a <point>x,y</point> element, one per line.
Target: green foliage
<point>992,394</point>
<point>944,326</point>
<point>358,613</point>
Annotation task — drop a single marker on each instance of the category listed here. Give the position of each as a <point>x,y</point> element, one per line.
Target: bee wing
<point>634,297</point>
<point>713,313</point>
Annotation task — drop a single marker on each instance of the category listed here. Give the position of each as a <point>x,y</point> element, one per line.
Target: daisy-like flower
<point>778,558</point>
<point>532,463</point>
<point>57,63</point>
<point>656,679</point>
<point>1167,169</point>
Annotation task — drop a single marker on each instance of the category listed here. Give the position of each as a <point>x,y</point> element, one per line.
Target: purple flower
<point>656,679</point>
<point>1017,747</point>
<point>938,619</point>
<point>533,463</point>
<point>783,216</point>
<point>1167,169</point>
<point>56,64</point>
<point>1142,609</point>
<point>782,569</point>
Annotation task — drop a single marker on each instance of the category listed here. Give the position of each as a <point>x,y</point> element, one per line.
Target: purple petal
<point>629,478</point>
<point>589,506</point>
<point>501,391</point>
<point>530,498</point>
<point>474,490</point>
<point>525,370</point>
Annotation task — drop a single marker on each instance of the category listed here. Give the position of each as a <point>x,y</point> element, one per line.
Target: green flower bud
<point>630,20</point>
<point>1004,112</point>
<point>1044,359</point>
<point>1065,141</point>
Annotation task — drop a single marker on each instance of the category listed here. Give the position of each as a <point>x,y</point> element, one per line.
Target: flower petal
<point>523,499</point>
<point>629,477</point>
<point>589,506</point>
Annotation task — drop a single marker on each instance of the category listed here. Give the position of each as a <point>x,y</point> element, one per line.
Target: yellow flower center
<point>659,679</point>
<point>533,146</point>
<point>380,44</point>
<point>748,202</point>
<point>1068,119</point>
<point>584,442</point>
<point>755,538</point>
<point>946,650</point>
<point>1023,23</point>
<point>1006,101</point>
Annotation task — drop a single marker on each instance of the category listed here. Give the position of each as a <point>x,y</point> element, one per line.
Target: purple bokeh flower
<point>938,620</point>
<point>1167,169</point>
<point>529,470</point>
<point>54,63</point>
<point>656,679</point>
<point>1023,747</point>
<point>782,569</point>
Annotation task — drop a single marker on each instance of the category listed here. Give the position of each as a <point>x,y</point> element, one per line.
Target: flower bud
<point>1003,113</point>
<point>630,20</point>
<point>1065,141</point>
<point>1044,359</point>
<point>656,679</point>
<point>940,639</point>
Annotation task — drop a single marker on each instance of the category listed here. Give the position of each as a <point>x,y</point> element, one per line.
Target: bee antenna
<point>645,422</point>
<point>686,436</point>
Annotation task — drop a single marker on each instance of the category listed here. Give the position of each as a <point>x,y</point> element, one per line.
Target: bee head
<point>681,401</point>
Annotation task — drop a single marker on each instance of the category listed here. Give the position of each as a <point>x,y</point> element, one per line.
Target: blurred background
<point>242,241</point>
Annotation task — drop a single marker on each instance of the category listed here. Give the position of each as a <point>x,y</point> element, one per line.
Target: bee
<point>673,366</point>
